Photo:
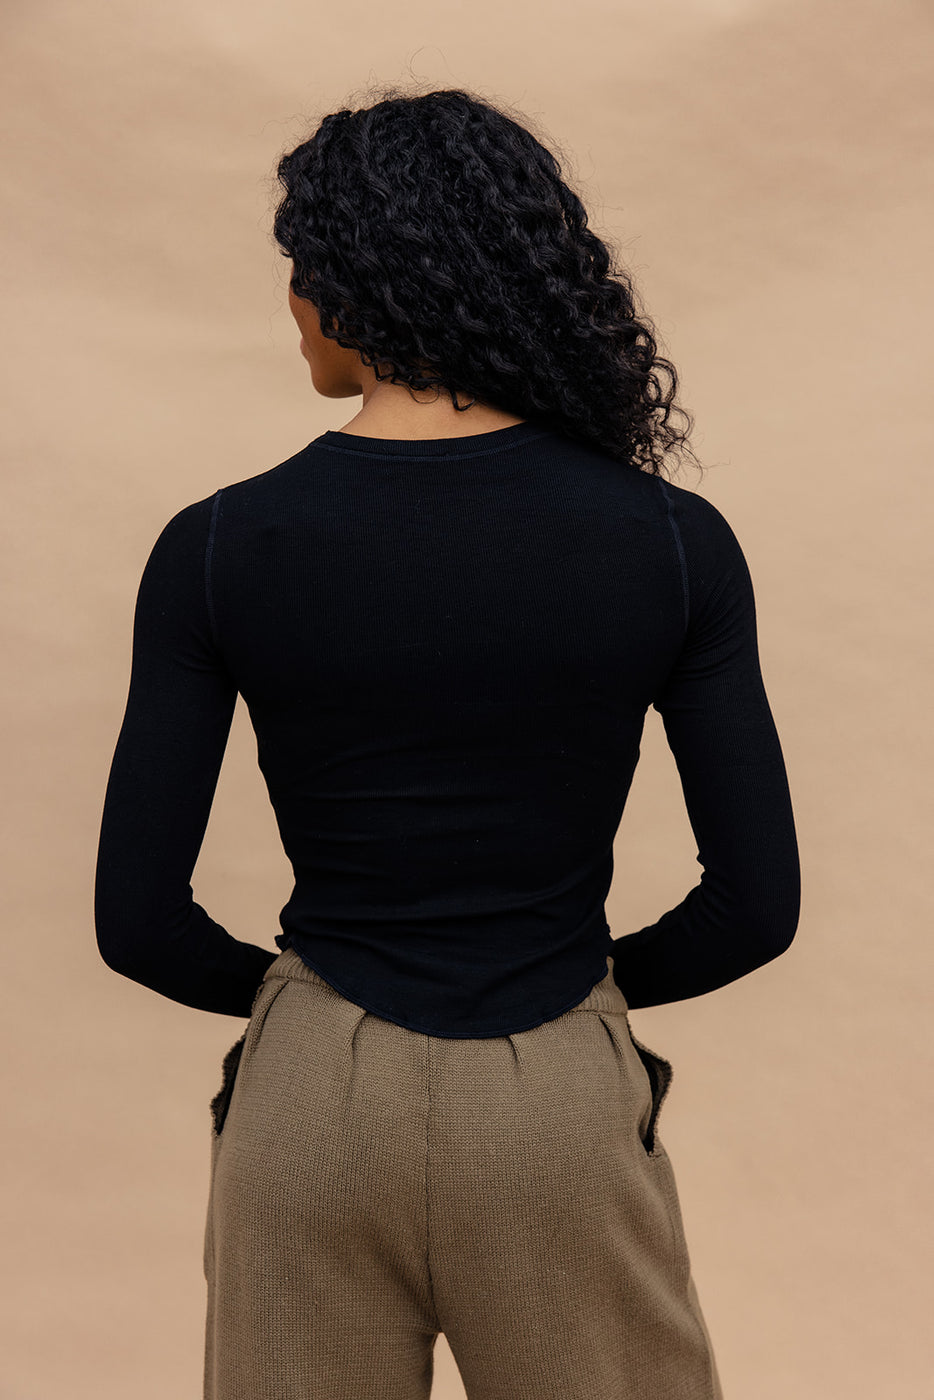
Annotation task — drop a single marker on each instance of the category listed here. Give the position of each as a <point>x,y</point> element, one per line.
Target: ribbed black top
<point>447,649</point>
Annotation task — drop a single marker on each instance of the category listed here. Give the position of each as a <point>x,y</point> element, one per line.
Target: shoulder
<point>691,509</point>
<point>185,534</point>
<point>702,529</point>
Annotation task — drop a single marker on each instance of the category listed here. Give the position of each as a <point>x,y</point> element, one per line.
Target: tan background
<point>766,168</point>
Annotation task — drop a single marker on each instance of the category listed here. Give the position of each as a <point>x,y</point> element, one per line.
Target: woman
<point>447,620</point>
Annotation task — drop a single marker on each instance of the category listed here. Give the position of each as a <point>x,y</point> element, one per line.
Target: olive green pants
<point>372,1186</point>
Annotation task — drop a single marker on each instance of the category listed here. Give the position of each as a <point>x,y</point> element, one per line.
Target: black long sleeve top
<point>447,649</point>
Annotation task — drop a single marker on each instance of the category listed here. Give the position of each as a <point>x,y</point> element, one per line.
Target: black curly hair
<point>434,235</point>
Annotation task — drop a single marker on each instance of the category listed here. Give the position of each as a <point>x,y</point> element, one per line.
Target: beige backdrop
<point>766,169</point>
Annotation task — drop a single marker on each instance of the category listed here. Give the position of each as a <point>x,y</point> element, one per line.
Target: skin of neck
<point>389,410</point>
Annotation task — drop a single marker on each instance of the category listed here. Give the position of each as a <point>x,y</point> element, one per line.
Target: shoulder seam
<point>679,545</point>
<point>208,554</point>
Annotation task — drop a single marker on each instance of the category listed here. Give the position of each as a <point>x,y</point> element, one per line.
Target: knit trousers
<point>372,1187</point>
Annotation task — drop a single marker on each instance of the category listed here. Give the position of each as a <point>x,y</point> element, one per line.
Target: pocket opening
<point>221,1100</point>
<point>266,993</point>
<point>660,1072</point>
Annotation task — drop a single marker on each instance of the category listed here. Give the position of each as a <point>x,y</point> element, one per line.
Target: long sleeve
<point>161,787</point>
<point>720,729</point>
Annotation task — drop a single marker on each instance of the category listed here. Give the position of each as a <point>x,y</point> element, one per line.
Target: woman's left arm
<point>162,782</point>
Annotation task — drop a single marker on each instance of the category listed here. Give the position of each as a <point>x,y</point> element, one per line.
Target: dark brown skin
<point>389,410</point>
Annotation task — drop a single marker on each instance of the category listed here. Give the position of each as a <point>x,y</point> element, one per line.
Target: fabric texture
<point>372,1187</point>
<point>447,649</point>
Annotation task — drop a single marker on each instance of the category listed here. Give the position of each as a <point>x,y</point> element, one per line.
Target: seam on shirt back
<point>680,548</point>
<point>208,553</point>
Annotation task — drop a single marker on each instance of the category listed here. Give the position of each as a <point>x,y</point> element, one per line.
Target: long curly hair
<point>435,236</point>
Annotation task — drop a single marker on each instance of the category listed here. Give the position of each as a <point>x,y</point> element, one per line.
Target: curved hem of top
<point>443,1035</point>
<point>467,445</point>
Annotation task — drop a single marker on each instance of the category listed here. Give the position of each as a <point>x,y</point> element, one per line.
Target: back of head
<point>434,234</point>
